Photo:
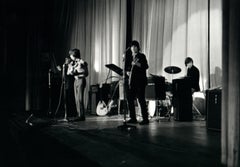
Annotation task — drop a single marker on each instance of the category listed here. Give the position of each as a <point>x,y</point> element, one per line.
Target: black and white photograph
<point>120,83</point>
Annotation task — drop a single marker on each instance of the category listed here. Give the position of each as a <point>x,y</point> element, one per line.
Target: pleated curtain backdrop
<point>171,30</point>
<point>97,28</point>
<point>215,42</point>
<point>168,32</point>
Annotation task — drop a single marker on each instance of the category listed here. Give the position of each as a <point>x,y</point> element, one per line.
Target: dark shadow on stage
<point>98,142</point>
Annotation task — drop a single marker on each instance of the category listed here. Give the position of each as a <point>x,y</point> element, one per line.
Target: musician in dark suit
<point>79,69</point>
<point>193,74</point>
<point>137,83</point>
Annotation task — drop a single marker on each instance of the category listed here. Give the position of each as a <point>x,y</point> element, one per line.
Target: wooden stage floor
<point>98,142</point>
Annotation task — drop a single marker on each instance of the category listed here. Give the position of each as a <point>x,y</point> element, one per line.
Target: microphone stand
<point>49,93</point>
<point>64,93</point>
<point>125,103</point>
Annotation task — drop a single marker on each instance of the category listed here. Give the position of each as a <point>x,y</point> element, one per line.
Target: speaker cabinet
<point>213,108</point>
<point>155,89</point>
<point>93,99</point>
<point>182,99</point>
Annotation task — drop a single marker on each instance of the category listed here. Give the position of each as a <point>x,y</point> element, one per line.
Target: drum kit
<point>163,108</point>
<point>158,106</point>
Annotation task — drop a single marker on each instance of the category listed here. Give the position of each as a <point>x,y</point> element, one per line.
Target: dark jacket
<point>138,74</point>
<point>193,74</point>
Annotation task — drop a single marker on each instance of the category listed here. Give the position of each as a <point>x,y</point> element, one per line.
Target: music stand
<point>115,68</point>
<point>122,73</point>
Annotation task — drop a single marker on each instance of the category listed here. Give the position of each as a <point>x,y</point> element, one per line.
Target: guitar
<point>112,107</point>
<point>102,109</point>
<point>130,75</point>
<point>78,68</point>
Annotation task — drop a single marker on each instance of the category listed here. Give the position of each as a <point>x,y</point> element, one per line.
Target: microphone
<point>124,57</point>
<point>49,78</point>
<point>127,49</point>
<point>59,68</point>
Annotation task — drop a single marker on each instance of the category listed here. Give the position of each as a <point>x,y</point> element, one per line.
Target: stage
<point>98,142</point>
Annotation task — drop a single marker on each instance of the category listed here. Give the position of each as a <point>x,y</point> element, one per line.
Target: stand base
<point>127,127</point>
<point>62,120</point>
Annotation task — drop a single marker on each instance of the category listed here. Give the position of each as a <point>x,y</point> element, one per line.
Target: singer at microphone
<point>137,83</point>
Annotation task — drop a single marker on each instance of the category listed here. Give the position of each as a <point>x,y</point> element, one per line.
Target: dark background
<point>26,33</point>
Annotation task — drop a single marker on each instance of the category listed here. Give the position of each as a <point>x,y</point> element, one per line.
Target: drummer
<point>193,74</point>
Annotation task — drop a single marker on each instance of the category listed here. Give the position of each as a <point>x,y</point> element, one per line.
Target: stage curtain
<point>215,43</point>
<point>106,36</point>
<point>231,84</point>
<point>97,28</point>
<point>171,30</point>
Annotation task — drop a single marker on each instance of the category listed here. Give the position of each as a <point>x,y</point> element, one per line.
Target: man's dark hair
<point>188,60</point>
<point>135,43</point>
<point>75,52</point>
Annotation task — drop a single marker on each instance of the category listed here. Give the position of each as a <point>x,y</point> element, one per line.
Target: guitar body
<point>101,108</point>
<point>112,107</point>
<point>133,66</point>
<point>78,68</point>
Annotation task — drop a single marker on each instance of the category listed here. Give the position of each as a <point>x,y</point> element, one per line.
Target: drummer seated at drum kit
<point>192,75</point>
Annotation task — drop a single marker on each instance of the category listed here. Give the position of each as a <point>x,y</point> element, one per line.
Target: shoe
<point>144,122</point>
<point>132,121</point>
<point>81,119</point>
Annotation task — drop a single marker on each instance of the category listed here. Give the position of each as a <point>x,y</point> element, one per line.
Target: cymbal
<point>172,69</point>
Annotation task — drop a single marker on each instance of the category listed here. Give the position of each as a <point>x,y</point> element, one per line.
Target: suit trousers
<point>79,87</point>
<point>137,91</point>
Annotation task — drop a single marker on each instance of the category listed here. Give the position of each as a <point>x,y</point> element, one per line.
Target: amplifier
<point>93,99</point>
<point>155,89</point>
<point>213,108</point>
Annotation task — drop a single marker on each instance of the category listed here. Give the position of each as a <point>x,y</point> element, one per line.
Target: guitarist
<point>79,69</point>
<point>137,83</point>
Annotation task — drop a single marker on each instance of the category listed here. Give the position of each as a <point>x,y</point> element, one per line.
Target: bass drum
<point>152,105</point>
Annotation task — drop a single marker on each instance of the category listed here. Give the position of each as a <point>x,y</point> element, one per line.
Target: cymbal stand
<point>169,107</point>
